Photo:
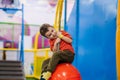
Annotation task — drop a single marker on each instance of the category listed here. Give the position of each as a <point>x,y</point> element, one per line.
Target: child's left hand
<point>58,34</point>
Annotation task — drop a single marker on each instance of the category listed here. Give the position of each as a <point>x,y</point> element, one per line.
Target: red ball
<point>65,71</point>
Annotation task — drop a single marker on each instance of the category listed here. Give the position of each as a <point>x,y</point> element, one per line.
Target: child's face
<point>51,33</point>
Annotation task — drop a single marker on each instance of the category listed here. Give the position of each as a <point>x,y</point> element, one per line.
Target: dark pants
<point>58,57</point>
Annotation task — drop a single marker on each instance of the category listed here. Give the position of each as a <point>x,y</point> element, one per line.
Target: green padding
<point>31,79</point>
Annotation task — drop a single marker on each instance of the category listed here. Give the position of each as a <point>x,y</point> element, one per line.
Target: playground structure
<point>95,39</point>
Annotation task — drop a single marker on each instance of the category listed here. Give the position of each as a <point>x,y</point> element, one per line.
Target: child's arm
<point>55,47</point>
<point>66,39</point>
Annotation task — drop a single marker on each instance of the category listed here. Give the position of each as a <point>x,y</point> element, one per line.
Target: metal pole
<point>77,29</point>
<point>22,37</point>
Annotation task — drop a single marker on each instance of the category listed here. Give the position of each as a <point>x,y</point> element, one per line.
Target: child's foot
<point>42,79</point>
<point>45,75</point>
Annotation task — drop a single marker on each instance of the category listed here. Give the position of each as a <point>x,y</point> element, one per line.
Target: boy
<point>60,44</point>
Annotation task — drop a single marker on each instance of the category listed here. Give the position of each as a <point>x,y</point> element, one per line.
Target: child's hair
<point>44,29</point>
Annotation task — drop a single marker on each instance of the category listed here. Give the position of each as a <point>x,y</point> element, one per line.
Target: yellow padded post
<point>38,60</point>
<point>35,53</point>
<point>118,42</point>
<point>58,15</point>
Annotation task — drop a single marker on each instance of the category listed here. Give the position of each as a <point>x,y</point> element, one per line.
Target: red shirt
<point>63,45</point>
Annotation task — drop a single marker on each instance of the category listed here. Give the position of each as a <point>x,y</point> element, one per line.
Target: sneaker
<point>45,75</point>
<point>42,78</point>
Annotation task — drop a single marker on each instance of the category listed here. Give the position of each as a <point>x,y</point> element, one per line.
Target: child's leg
<point>67,57</point>
<point>44,67</point>
<point>53,61</point>
<point>60,57</point>
<point>45,64</point>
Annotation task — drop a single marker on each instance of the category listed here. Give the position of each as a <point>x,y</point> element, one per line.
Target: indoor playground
<point>93,24</point>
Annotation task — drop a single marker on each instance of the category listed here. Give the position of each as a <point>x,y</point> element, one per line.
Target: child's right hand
<point>56,47</point>
<point>57,41</point>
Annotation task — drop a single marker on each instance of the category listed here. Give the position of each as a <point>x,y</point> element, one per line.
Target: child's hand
<point>58,34</point>
<point>55,47</point>
<point>57,40</point>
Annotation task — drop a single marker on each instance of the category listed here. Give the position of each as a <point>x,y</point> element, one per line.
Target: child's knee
<point>56,55</point>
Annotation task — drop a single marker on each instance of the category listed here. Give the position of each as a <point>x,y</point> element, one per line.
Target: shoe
<point>42,78</point>
<point>45,75</point>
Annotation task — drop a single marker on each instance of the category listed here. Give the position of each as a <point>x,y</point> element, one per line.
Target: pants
<point>58,57</point>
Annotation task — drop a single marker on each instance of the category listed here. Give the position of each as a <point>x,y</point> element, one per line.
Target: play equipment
<point>11,31</point>
<point>93,29</point>
<point>57,22</point>
<point>38,60</point>
<point>118,41</point>
<point>65,71</point>
<point>52,3</point>
<point>10,7</point>
<point>42,42</point>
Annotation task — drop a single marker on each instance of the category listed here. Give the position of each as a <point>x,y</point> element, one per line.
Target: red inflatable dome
<point>65,71</point>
